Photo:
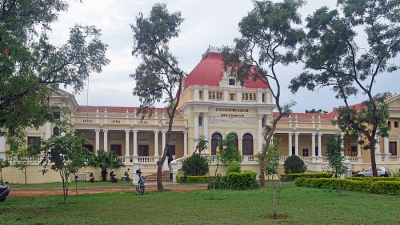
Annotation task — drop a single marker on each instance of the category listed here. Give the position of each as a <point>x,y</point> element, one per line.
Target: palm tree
<point>105,160</point>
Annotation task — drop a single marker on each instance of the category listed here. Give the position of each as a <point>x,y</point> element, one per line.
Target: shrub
<point>242,181</point>
<point>396,173</point>
<point>382,186</point>
<point>192,179</point>
<point>195,165</point>
<point>293,164</point>
<point>234,167</point>
<point>293,176</point>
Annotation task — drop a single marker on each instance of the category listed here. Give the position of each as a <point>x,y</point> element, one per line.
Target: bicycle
<point>140,186</point>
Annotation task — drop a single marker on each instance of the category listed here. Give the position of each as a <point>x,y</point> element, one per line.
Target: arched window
<point>200,121</point>
<point>215,139</point>
<point>247,144</point>
<point>56,131</point>
<point>236,144</point>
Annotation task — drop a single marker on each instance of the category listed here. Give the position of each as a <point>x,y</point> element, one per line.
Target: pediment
<point>394,101</point>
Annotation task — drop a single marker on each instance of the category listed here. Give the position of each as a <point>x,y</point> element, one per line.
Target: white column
<point>268,97</point>
<point>205,90</point>
<point>259,131</point>
<point>127,156</point>
<point>386,148</point>
<point>48,130</point>
<point>342,143</point>
<point>156,143</point>
<point>2,147</point>
<point>377,143</point>
<point>62,118</point>
<point>320,144</point>
<point>105,140</point>
<point>313,144</point>
<point>296,144</point>
<point>196,127</point>
<point>259,94</point>
<point>205,125</point>
<point>135,152</point>
<point>185,147</point>
<point>358,148</point>
<point>97,140</point>
<point>290,144</point>
<point>163,141</point>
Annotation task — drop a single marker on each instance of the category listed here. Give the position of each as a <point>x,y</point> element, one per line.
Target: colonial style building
<point>213,104</point>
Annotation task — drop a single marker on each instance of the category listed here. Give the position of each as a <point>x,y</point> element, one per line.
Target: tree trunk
<point>372,155</point>
<point>262,165</point>
<point>159,174</point>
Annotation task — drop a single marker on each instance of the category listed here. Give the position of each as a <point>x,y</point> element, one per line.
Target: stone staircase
<point>153,177</point>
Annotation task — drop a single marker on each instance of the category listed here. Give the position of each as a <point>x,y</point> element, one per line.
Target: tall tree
<point>335,154</point>
<point>21,155</point>
<point>159,73</point>
<point>31,68</point>
<point>335,57</point>
<point>229,152</point>
<point>269,30</point>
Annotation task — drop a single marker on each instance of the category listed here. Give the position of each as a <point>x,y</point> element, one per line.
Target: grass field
<point>301,205</point>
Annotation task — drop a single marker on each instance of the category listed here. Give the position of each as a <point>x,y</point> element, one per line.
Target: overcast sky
<point>209,22</point>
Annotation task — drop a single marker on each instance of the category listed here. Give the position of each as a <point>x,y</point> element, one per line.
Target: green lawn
<point>80,184</point>
<point>302,205</point>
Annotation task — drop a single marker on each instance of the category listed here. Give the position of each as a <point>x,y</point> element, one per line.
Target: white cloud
<point>206,23</point>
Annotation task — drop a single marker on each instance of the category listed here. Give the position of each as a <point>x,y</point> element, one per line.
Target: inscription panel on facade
<point>232,121</point>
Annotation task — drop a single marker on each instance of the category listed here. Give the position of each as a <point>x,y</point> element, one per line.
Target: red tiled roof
<point>115,109</point>
<point>209,71</point>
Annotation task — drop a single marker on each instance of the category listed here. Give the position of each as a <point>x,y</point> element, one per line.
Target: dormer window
<point>231,81</point>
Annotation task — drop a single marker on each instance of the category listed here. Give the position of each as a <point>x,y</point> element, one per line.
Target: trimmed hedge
<point>241,181</point>
<point>377,186</point>
<point>192,179</point>
<point>293,176</point>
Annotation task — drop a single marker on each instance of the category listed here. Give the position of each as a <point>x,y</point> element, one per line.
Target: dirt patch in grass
<point>175,188</point>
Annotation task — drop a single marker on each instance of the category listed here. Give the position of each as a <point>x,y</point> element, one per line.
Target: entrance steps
<point>153,177</point>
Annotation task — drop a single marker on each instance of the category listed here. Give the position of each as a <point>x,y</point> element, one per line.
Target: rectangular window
<point>232,97</point>
<point>231,81</point>
<point>262,97</point>
<point>305,151</point>
<point>143,150</point>
<point>89,147</point>
<point>316,151</point>
<point>353,150</point>
<point>32,141</point>
<point>116,149</point>
<point>200,121</point>
<point>56,113</point>
<point>396,124</point>
<point>389,124</point>
<point>393,148</point>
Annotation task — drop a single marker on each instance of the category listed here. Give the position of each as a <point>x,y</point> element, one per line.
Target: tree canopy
<point>346,49</point>
<point>31,68</point>
<point>269,38</point>
<point>158,75</point>
<point>64,154</point>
